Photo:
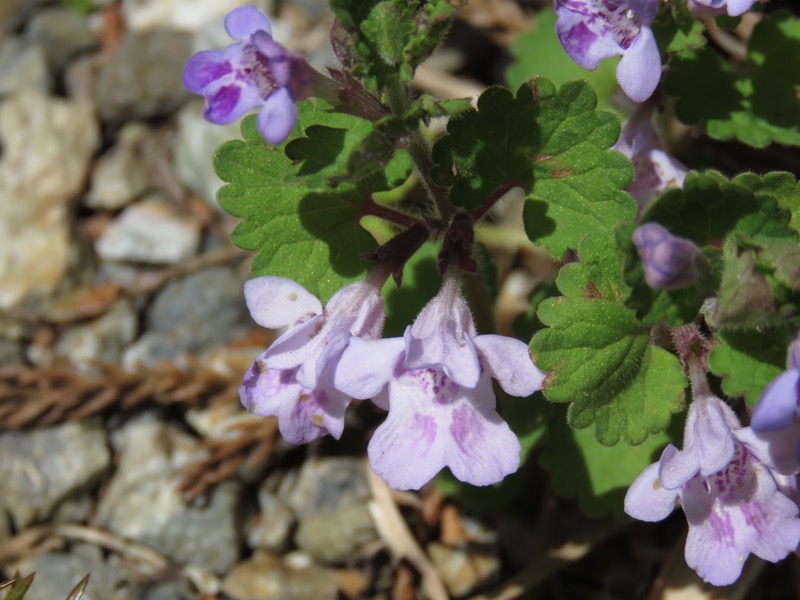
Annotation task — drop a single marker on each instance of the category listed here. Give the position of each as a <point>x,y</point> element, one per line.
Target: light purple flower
<point>436,384</point>
<point>734,503</point>
<point>776,418</point>
<point>734,8</point>
<point>655,170</point>
<point>256,72</point>
<point>293,378</point>
<point>670,262</point>
<point>591,30</point>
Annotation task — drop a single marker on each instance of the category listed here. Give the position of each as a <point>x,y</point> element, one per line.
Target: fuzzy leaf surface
<point>553,144</point>
<point>599,356</point>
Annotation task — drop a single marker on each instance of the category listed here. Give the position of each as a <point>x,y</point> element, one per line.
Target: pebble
<point>272,528</point>
<point>266,577</point>
<point>119,177</point>
<point>63,33</point>
<point>103,339</point>
<point>192,315</point>
<point>57,573</point>
<point>467,568</point>
<point>47,146</point>
<point>41,468</point>
<point>142,501</point>
<point>337,536</point>
<point>151,231</point>
<point>143,79</point>
<point>23,65</point>
<point>327,483</point>
<point>196,141</point>
<point>186,15</point>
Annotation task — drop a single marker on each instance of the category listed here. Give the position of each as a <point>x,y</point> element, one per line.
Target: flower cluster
<point>435,381</point>
<point>734,499</point>
<point>670,262</point>
<point>254,73</point>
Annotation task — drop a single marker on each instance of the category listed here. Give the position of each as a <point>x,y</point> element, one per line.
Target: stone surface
<point>192,315</point>
<point>142,501</point>
<point>187,15</point>
<point>327,484</point>
<point>10,352</point>
<point>102,339</point>
<point>151,231</point>
<point>194,146</point>
<point>63,33</point>
<point>143,79</point>
<point>57,573</point>
<point>265,577</point>
<point>42,467</point>
<point>272,528</point>
<point>336,536</point>
<point>47,145</point>
<point>23,65</point>
<point>119,175</point>
<point>465,569</point>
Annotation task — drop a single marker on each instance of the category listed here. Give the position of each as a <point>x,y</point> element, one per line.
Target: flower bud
<point>670,262</point>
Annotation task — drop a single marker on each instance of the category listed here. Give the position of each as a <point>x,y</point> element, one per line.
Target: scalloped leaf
<point>599,357</point>
<point>755,102</point>
<point>552,143</point>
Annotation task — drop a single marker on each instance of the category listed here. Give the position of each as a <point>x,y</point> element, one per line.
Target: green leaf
<point>755,102</point>
<point>554,144</point>
<point>19,587</point>
<point>538,52</point>
<point>310,235</point>
<point>390,39</point>
<point>748,361</point>
<point>676,29</point>
<point>599,357</point>
<point>598,476</point>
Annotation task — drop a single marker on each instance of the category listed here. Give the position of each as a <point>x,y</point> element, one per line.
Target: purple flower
<point>436,384</point>
<point>734,503</point>
<point>256,72</point>
<point>293,378</point>
<point>776,418</point>
<point>670,262</point>
<point>655,170</point>
<point>734,8</point>
<point>591,30</point>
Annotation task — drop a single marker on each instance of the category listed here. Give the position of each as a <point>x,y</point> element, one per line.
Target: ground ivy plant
<point>678,289</point>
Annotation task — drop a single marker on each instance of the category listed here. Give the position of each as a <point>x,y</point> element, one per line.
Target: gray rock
<point>5,526</point>
<point>23,65</point>
<point>63,33</point>
<point>327,484</point>
<point>14,12</point>
<point>272,528</point>
<point>194,146</point>
<point>102,339</point>
<point>192,315</point>
<point>142,501</point>
<point>336,536</point>
<point>265,577</point>
<point>10,352</point>
<point>151,231</point>
<point>47,145</point>
<point>57,573</point>
<point>143,78</point>
<point>186,15</point>
<point>119,175</point>
<point>41,468</point>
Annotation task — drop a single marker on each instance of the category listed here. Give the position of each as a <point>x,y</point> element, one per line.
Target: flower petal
<point>585,46</point>
<point>277,302</point>
<point>778,405</point>
<point>639,71</point>
<point>277,117</point>
<point>366,366</point>
<point>278,57</point>
<point>243,21</point>
<point>509,362</point>
<point>204,68</point>
<point>228,100</point>
<point>647,499</point>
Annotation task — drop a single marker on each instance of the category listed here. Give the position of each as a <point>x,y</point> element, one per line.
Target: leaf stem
<point>373,209</point>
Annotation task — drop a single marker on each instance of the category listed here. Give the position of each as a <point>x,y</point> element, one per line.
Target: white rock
<point>47,145</point>
<point>102,339</point>
<point>119,176</point>
<point>151,231</point>
<point>186,15</point>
